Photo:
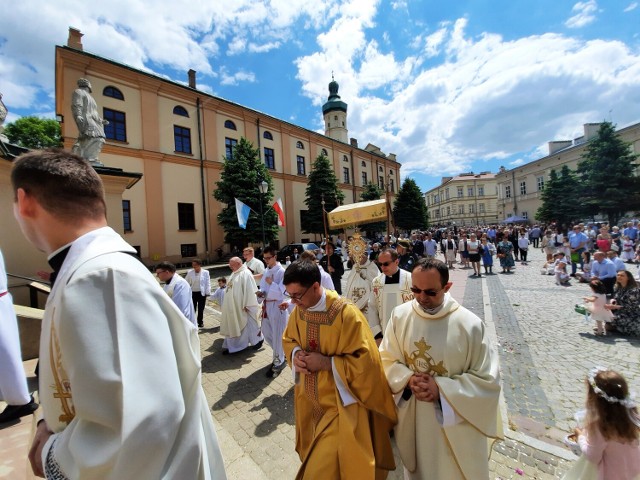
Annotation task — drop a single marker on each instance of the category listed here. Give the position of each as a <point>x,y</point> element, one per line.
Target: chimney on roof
<point>192,78</point>
<point>392,156</point>
<point>557,145</point>
<point>353,142</point>
<point>75,38</point>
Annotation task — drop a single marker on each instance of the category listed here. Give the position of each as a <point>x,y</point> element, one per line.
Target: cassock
<point>385,297</point>
<point>358,288</point>
<point>240,312</point>
<point>120,378</point>
<point>274,320</point>
<point>343,416</point>
<point>451,441</point>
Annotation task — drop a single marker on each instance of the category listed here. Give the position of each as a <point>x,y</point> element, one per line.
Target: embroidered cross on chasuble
<point>314,320</point>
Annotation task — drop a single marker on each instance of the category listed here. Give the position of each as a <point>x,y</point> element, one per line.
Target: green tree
<point>372,192</point>
<point>240,178</point>
<point>607,176</point>
<point>410,209</point>
<point>322,184</point>
<point>34,132</point>
<point>561,199</point>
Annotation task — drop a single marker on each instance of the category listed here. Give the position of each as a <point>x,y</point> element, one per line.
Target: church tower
<point>335,115</point>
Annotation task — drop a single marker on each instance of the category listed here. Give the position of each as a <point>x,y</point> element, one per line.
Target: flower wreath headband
<point>625,402</point>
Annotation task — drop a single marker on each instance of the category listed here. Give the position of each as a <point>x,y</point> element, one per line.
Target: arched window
<point>180,110</point>
<point>300,145</point>
<point>364,164</point>
<point>324,152</point>
<point>267,135</point>
<point>390,172</point>
<point>380,169</point>
<point>345,158</point>
<point>113,92</point>
<point>230,125</point>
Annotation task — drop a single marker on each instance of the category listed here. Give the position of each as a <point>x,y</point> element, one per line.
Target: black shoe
<point>258,345</point>
<point>14,412</point>
<point>274,371</point>
<point>201,325</point>
<point>225,351</point>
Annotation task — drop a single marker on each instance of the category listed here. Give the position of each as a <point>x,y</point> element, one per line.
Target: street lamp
<point>263,187</point>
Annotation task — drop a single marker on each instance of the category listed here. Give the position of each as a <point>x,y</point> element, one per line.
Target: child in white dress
<point>595,305</point>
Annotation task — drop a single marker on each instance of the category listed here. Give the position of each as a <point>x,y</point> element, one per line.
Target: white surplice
<point>240,312</point>
<point>384,298</point>
<point>274,320</point>
<point>120,378</point>
<point>454,441</point>
<point>358,288</point>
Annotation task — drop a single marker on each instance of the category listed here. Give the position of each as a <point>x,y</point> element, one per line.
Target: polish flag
<point>277,206</point>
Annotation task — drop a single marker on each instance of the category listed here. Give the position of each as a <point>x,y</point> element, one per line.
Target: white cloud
<point>517,162</point>
<point>584,14</point>
<point>632,6</point>
<point>236,78</point>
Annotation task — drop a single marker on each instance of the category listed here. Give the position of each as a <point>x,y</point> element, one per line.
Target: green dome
<point>334,102</point>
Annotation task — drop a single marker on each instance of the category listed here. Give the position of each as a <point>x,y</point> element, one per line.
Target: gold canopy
<point>357,213</point>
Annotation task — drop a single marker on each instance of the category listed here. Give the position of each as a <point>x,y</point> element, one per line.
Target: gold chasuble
<point>452,345</point>
<point>336,441</point>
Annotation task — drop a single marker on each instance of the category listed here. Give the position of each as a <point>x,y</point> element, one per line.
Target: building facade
<point>519,189</point>
<point>178,137</point>
<point>466,199</point>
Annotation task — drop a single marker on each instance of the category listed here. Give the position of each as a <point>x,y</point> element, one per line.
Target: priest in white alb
<point>388,290</point>
<point>443,371</point>
<point>240,311</point>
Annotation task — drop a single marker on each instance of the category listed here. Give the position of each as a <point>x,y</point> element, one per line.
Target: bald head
<point>235,263</point>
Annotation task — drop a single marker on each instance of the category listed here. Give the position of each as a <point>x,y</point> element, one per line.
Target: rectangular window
<point>188,250</point>
<point>364,179</point>
<point>481,207</point>
<point>481,191</point>
<point>269,158</point>
<point>182,139</point>
<point>117,128</point>
<point>540,181</point>
<point>345,174</point>
<point>461,209</point>
<point>523,188</point>
<point>391,186</point>
<point>303,214</point>
<point>186,216</point>
<point>507,191</point>
<point>381,182</point>
<point>437,213</point>
<point>460,192</point>
<point>448,211</point>
<point>471,208</point>
<point>446,194</point>
<point>302,169</point>
<point>470,191</point>
<point>229,145</point>
<point>525,215</point>
<point>126,215</point>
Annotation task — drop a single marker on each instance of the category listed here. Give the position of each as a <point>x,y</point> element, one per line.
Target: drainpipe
<point>202,183</point>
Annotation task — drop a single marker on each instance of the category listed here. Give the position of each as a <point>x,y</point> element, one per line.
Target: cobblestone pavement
<point>545,349</point>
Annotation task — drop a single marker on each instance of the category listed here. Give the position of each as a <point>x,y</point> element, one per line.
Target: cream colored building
<point>519,189</point>
<point>466,199</point>
<point>177,136</point>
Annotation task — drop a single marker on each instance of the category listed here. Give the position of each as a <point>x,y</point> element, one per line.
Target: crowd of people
<point>394,351</point>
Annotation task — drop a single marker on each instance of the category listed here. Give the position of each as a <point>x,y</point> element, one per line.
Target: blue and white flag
<point>242,210</point>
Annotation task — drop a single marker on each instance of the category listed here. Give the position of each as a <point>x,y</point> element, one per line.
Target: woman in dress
<point>603,240</point>
<point>627,254</point>
<point>585,275</point>
<point>626,310</point>
<point>505,254</point>
<point>474,249</point>
<point>488,251</point>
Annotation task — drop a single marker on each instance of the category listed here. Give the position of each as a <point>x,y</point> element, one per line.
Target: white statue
<point>90,124</point>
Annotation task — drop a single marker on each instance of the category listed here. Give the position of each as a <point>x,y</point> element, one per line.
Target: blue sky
<point>449,87</point>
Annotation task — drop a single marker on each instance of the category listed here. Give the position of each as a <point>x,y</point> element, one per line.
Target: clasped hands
<point>424,387</point>
<point>311,362</point>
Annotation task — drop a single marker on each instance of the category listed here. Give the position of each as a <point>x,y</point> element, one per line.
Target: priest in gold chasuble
<point>343,405</point>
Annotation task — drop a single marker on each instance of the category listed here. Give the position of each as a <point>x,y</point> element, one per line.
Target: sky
<point>447,86</point>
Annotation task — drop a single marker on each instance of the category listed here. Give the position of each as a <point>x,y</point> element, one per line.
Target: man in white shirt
<point>200,282</point>
<point>177,288</point>
<point>253,264</point>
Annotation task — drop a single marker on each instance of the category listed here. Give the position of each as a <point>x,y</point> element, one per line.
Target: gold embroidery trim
<point>62,386</point>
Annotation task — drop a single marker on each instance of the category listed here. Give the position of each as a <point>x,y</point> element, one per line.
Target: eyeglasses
<point>386,264</point>
<point>296,298</point>
<point>428,293</point>
<point>267,258</point>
